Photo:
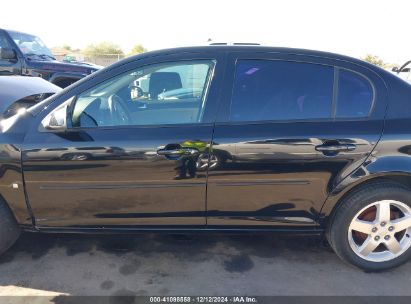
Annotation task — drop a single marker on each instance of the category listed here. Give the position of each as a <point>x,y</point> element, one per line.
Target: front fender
<point>12,183</point>
<point>12,192</point>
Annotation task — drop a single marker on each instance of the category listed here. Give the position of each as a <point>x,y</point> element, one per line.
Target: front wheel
<point>9,229</point>
<point>372,227</point>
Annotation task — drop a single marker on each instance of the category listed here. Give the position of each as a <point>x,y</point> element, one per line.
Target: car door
<point>291,128</point>
<point>8,66</point>
<point>128,155</point>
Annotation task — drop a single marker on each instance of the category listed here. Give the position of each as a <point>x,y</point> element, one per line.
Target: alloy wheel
<point>381,231</point>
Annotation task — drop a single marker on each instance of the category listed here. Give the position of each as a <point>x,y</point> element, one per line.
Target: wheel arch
<point>336,198</point>
<point>18,210</point>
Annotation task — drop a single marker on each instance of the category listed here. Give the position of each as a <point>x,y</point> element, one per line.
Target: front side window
<point>355,95</point>
<point>281,90</point>
<point>168,93</point>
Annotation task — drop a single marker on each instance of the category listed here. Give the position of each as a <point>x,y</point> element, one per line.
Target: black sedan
<point>307,142</point>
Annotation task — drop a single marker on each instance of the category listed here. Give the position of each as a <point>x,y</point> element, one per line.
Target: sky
<point>349,27</point>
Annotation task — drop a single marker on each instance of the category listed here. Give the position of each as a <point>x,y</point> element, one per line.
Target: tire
<point>355,246</point>
<point>9,229</point>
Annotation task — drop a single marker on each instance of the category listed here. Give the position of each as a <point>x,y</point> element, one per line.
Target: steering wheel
<point>118,111</point>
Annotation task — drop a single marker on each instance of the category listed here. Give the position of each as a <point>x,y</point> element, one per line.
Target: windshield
<point>30,45</point>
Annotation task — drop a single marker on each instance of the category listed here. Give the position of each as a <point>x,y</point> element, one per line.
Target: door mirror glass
<point>136,92</point>
<point>57,119</point>
<point>7,54</point>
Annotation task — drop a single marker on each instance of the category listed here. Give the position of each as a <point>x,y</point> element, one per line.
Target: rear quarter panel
<point>391,158</point>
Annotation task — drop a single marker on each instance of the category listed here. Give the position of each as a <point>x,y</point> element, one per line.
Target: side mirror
<point>7,54</point>
<point>136,92</point>
<point>57,119</point>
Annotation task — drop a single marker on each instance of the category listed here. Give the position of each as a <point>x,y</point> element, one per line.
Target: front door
<point>129,155</point>
<point>292,128</point>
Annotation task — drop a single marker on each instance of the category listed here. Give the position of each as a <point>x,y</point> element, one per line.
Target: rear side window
<point>355,95</point>
<point>281,90</point>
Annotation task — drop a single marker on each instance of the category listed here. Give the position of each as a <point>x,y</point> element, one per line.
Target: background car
<point>79,59</point>
<point>18,92</point>
<point>27,55</point>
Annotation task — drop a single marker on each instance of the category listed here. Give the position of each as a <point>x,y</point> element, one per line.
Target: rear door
<point>290,129</point>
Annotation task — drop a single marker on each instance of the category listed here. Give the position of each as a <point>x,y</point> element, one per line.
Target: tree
<point>374,60</point>
<point>138,49</point>
<point>102,48</point>
<point>66,47</point>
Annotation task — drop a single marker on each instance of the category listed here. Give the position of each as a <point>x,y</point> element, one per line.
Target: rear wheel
<point>372,227</point>
<point>9,229</point>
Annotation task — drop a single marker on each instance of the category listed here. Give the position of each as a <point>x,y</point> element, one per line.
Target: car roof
<point>16,32</point>
<point>251,49</point>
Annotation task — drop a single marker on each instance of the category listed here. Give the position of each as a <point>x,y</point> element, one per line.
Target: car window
<point>169,93</point>
<point>29,44</point>
<point>281,90</point>
<point>355,95</point>
<point>3,41</point>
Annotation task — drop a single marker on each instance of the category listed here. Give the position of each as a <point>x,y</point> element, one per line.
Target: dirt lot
<point>206,264</point>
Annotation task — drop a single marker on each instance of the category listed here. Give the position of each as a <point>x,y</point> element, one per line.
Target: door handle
<point>177,152</point>
<point>335,148</point>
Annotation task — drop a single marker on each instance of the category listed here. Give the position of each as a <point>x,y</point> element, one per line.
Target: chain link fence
<point>104,59</point>
<point>99,59</point>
